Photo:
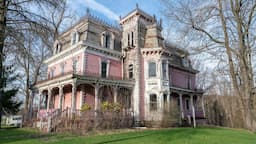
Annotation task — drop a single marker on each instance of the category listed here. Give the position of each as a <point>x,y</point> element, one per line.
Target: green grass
<point>163,136</point>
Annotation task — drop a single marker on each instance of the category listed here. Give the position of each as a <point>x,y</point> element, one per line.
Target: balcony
<point>85,74</point>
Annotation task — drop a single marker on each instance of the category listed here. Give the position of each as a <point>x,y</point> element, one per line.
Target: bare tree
<point>17,16</point>
<point>222,28</point>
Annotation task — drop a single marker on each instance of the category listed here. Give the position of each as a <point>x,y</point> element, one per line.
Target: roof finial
<point>137,6</point>
<point>87,11</point>
<point>120,17</point>
<point>154,17</point>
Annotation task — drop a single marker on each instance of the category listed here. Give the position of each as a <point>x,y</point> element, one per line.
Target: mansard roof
<point>93,18</point>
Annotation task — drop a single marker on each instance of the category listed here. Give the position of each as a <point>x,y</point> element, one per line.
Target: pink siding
<point>56,101</point>
<point>68,67</point>
<point>93,65</point>
<point>67,98</point>
<point>179,78</point>
<point>115,68</point>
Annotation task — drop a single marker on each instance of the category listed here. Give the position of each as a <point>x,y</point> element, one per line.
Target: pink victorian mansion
<point>94,62</point>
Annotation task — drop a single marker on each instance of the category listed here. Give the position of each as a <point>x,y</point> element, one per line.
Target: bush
<point>85,107</point>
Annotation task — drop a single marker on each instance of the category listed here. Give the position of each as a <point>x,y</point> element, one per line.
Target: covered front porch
<point>190,105</point>
<point>73,91</point>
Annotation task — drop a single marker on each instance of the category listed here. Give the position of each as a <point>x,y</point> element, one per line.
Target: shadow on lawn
<point>167,134</point>
<point>123,139</point>
<point>8,135</point>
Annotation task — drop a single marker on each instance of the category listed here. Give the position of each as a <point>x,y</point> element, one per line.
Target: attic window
<point>106,40</point>
<point>74,38</point>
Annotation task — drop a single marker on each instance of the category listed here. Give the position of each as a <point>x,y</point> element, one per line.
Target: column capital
<point>61,86</point>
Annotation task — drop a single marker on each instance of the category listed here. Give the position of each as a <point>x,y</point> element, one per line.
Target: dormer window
<point>106,40</point>
<point>185,62</point>
<point>74,38</point>
<point>57,47</point>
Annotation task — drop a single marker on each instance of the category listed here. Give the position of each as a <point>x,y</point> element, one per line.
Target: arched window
<point>130,69</point>
<point>152,69</point>
<point>152,102</point>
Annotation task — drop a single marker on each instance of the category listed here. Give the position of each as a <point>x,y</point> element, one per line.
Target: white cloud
<point>94,5</point>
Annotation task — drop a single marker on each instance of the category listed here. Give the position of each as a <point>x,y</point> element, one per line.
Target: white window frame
<point>108,65</point>
<point>149,69</point>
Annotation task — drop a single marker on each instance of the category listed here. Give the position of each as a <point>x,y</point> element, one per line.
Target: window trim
<point>164,67</point>
<point>107,68</point>
<point>74,37</point>
<point>155,71</point>
<point>153,105</point>
<point>130,71</point>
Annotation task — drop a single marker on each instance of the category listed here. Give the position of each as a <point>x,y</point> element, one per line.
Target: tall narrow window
<point>74,66</point>
<point>52,72</point>
<point>152,69</point>
<point>128,36</point>
<point>132,40</point>
<point>107,41</point>
<point>103,69</point>
<point>62,67</point>
<point>152,102</point>
<point>130,71</point>
<point>164,70</point>
<point>74,36</point>
<point>189,82</point>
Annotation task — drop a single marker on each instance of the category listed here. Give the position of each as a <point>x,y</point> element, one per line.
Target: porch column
<point>60,96</point>
<point>181,106</point>
<point>115,94</point>
<point>193,110</point>
<point>73,98</point>
<point>39,102</point>
<point>96,98</point>
<point>49,98</point>
<point>168,101</point>
<point>202,105</point>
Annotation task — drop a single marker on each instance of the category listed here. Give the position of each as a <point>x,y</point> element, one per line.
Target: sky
<point>110,10</point>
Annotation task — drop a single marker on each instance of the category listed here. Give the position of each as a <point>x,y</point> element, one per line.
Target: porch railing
<point>86,73</point>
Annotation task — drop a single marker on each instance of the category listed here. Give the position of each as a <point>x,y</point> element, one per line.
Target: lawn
<point>163,136</point>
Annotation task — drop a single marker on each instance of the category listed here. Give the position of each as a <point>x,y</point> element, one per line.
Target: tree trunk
<point>2,38</point>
